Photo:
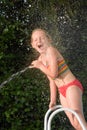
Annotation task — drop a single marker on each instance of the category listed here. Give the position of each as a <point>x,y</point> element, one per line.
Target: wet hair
<point>45,32</point>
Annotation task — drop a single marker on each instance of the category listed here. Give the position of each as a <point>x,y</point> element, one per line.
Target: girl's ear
<point>32,45</point>
<point>31,42</point>
<point>50,40</point>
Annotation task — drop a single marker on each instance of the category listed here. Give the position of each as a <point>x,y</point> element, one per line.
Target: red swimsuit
<point>63,89</point>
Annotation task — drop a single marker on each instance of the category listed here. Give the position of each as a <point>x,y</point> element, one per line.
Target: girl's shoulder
<point>55,51</point>
<point>52,50</point>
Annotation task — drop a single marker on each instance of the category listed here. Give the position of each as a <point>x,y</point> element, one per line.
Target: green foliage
<point>23,105</point>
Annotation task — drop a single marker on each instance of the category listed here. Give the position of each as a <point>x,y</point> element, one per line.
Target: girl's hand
<point>35,64</point>
<point>52,104</point>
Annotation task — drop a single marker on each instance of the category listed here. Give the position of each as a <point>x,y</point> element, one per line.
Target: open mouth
<point>39,46</point>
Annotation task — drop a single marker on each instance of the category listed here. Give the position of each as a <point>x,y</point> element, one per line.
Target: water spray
<point>14,75</point>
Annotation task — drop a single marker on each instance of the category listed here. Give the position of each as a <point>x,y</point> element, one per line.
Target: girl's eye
<point>43,38</point>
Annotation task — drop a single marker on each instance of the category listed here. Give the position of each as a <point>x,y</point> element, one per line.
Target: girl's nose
<point>39,40</point>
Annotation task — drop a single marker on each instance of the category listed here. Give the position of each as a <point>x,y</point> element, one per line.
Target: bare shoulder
<point>53,51</point>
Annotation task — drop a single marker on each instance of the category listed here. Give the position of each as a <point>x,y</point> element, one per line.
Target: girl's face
<point>40,41</point>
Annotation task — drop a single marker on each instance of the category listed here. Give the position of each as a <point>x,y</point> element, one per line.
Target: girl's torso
<point>64,74</point>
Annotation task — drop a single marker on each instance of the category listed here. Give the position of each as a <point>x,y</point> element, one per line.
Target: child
<point>52,63</point>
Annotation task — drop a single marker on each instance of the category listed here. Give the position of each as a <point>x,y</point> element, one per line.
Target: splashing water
<point>13,76</point>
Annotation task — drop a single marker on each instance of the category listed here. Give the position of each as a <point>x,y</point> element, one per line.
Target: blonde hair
<point>45,32</point>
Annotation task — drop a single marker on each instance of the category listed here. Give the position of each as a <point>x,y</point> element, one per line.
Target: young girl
<point>52,63</point>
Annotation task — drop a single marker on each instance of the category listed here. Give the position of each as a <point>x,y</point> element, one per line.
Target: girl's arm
<point>52,63</point>
<point>53,93</point>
